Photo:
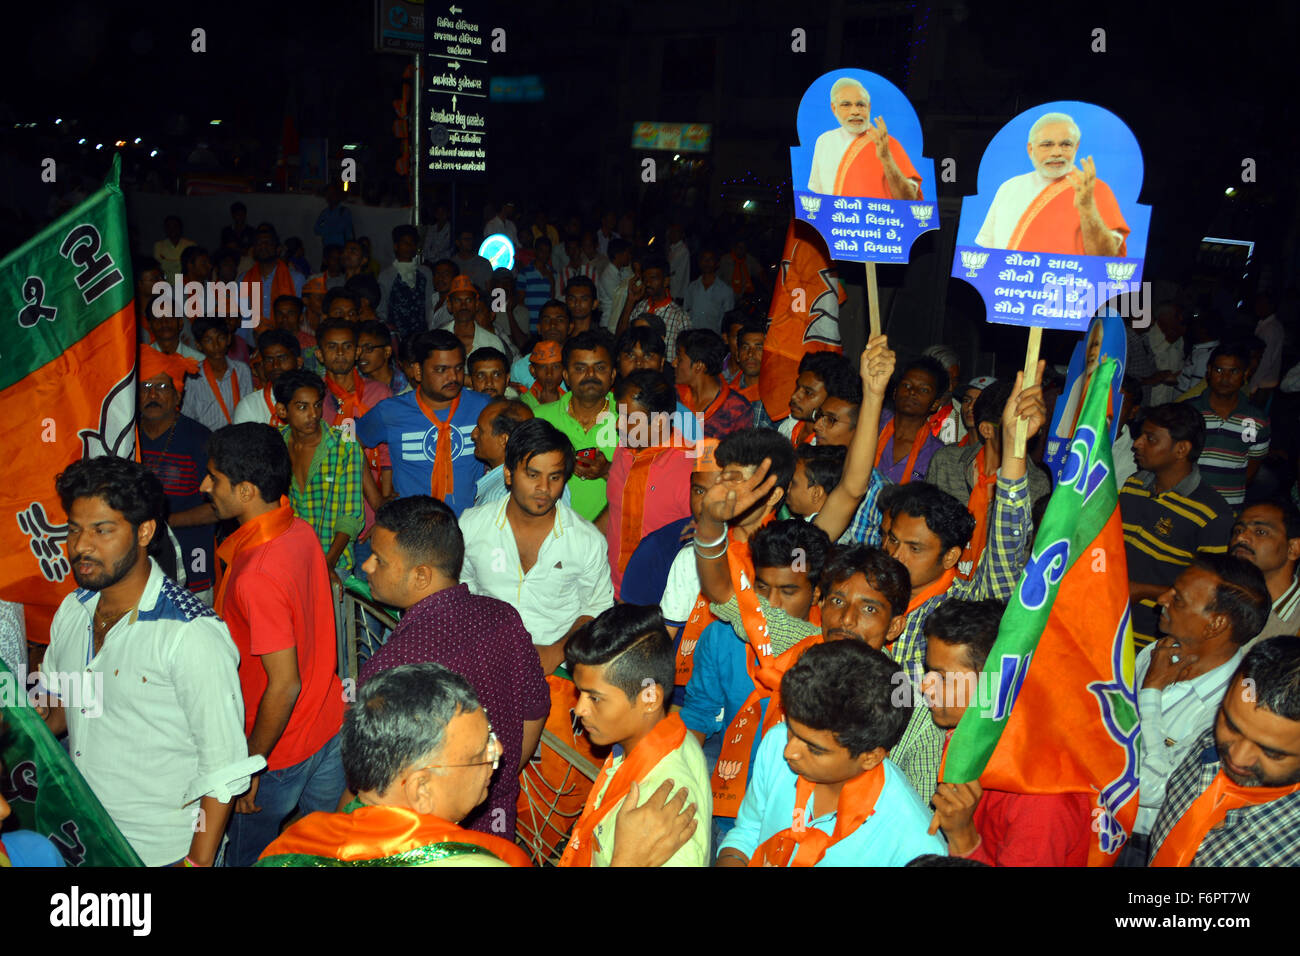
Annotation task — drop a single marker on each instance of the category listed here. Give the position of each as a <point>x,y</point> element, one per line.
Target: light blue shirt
<point>492,487</point>
<point>892,836</point>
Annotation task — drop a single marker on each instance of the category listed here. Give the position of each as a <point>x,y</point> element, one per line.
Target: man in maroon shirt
<point>415,566</point>
<point>700,386</point>
<point>990,826</point>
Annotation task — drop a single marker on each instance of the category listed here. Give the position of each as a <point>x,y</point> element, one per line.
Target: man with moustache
<point>534,552</point>
<point>166,747</point>
<point>1056,207</point>
<point>496,423</point>
<point>1267,534</point>
<point>463,301</point>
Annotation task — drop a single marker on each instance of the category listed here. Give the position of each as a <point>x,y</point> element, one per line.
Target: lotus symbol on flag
<point>972,262</point>
<point>811,204</point>
<point>922,213</point>
<point>1120,271</point>
<point>115,435</point>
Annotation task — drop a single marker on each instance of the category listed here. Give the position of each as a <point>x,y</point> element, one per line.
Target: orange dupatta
<point>442,483</point>
<point>216,390</point>
<point>281,284</point>
<point>808,844</point>
<point>251,534</point>
<point>922,435</point>
<point>663,739</point>
<point>741,283</point>
<point>633,512</point>
<point>804,431</point>
<point>270,406</point>
<point>868,178</point>
<point>1207,812</point>
<point>351,405</point>
<point>1052,218</point>
<point>980,496</point>
<point>700,618</point>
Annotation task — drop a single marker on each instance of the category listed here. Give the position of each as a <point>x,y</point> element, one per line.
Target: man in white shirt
<point>1269,330</point>
<point>533,551</point>
<point>1166,341</point>
<point>611,286</point>
<point>1081,215</point>
<point>142,675</point>
<point>708,299</point>
<point>1215,607</point>
<point>168,249</point>
<point>504,223</point>
<point>469,262</point>
<point>437,236</point>
<point>606,232</point>
<point>679,263</point>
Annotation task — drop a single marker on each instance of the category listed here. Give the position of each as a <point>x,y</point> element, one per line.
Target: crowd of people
<point>567,468</point>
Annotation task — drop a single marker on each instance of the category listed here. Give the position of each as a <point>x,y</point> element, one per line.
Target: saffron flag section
<point>1061,714</point>
<point>67,384</point>
<point>804,316</point>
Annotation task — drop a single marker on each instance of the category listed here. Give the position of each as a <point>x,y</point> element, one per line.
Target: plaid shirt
<point>331,503</point>
<point>676,320</point>
<point>1267,834</point>
<point>865,526</point>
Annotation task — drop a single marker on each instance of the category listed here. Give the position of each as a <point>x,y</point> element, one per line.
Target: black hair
<point>822,464</point>
<point>971,624</point>
<point>632,644</point>
<point>588,341</point>
<point>847,688</point>
<point>580,282</point>
<point>366,286</point>
<point>205,324</point>
<point>513,413</point>
<point>843,382</point>
<point>400,717</point>
<point>124,485</point>
<point>269,229</point>
<point>553,304</point>
<point>280,337</point>
<point>340,292</point>
<point>943,859</point>
<point>238,207</point>
<point>487,354</point>
<point>991,403</point>
<point>1241,594</point>
<point>946,517</point>
<point>254,453</point>
<point>931,366</point>
<point>220,256</point>
<point>785,544</point>
<point>171,218</point>
<point>654,260</point>
<point>332,324</point>
<point>649,388</point>
<point>655,323</point>
<point>617,246</point>
<point>739,317</point>
<point>1239,349</point>
<point>424,344</point>
<point>885,574</point>
<point>1273,668</point>
<point>191,253</point>
<point>297,302</point>
<point>543,238</point>
<point>538,437</point>
<point>704,346</point>
<point>1182,421</point>
<point>288,384</point>
<point>1290,513</point>
<point>751,326</point>
<point>749,446</point>
<point>406,229</point>
<point>375,328</point>
<point>426,531</point>
<point>822,364</point>
<point>651,342</point>
<point>455,269</point>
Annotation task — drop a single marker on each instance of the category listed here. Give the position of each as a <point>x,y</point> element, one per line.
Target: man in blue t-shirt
<point>410,424</point>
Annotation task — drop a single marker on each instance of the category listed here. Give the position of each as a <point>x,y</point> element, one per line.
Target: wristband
<point>710,557</point>
<point>711,544</point>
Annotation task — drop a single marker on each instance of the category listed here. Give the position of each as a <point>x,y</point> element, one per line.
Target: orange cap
<point>462,284</point>
<point>546,352</point>
<point>315,285</point>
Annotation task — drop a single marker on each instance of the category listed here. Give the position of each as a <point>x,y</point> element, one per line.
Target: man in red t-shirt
<point>991,826</point>
<point>273,592</point>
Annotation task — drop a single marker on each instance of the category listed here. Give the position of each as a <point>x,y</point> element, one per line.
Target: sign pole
<point>1031,369</point>
<point>873,299</point>
<point>417,160</point>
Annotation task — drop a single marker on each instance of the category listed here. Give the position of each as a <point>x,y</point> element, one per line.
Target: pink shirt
<point>667,498</point>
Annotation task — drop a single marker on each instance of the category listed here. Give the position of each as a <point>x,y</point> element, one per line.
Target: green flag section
<point>1060,713</point>
<point>67,385</point>
<point>46,792</point>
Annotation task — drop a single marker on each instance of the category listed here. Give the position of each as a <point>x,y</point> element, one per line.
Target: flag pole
<point>873,300</point>
<point>1031,368</point>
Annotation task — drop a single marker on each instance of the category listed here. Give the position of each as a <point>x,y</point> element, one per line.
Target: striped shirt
<point>1267,834</point>
<point>331,502</point>
<point>1164,532</point>
<point>676,321</point>
<point>537,290</point>
<point>1230,444</point>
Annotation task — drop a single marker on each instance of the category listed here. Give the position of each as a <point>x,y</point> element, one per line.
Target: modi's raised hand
<point>880,136</point>
<point>1085,180</point>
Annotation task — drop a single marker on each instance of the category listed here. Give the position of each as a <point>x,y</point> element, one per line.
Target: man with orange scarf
<point>623,670</point>
<point>906,442</point>
<point>1056,207</point>
<point>419,753</point>
<point>825,792</point>
<point>857,158</point>
<point>649,483</point>
<point>270,277</point>
<point>273,592</point>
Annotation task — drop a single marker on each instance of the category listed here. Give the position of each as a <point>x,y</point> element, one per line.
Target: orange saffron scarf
<point>887,433</point>
<point>741,283</point>
<point>634,490</point>
<point>978,503</point>
<point>442,483</point>
<point>807,844</point>
<point>1207,812</point>
<point>663,739</point>
<point>234,387</point>
<point>251,534</point>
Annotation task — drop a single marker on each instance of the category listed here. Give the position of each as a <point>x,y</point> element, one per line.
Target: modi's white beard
<point>1048,173</point>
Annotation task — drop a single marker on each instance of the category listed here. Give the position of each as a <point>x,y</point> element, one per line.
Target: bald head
<point>495,424</point>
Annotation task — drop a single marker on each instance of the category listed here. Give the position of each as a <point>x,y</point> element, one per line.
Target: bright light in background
<point>137,141</point>
<point>348,147</point>
<point>58,121</point>
<point>747,204</point>
<point>82,141</point>
<point>498,250</point>
<point>1230,191</point>
<point>99,146</point>
<point>153,153</point>
<point>345,185</point>
<point>214,122</point>
<point>120,142</point>
<point>676,157</point>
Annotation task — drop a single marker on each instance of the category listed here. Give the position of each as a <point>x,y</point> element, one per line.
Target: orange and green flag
<point>804,317</point>
<point>67,385</point>
<point>1062,716</point>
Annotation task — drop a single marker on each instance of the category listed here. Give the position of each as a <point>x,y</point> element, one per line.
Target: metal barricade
<point>362,627</point>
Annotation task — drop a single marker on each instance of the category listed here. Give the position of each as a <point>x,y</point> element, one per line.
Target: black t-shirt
<point>181,469</point>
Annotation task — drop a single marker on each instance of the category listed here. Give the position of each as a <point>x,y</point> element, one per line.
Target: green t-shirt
<point>588,495</point>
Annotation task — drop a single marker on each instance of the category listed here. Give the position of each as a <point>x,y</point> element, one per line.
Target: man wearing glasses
<point>1237,433</point>
<point>420,754</point>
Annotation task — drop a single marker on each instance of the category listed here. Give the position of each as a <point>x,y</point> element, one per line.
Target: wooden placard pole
<point>873,300</point>
<point>1031,369</point>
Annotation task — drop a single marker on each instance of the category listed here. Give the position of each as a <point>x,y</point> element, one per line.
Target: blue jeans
<point>315,784</point>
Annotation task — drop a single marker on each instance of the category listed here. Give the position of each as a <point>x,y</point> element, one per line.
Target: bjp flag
<point>1060,715</point>
<point>804,317</point>
<point>67,384</point>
